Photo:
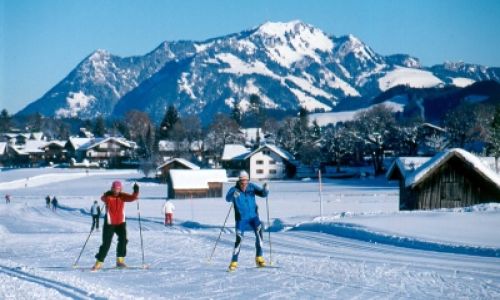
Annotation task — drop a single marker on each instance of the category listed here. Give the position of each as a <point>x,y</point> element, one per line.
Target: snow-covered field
<point>361,248</point>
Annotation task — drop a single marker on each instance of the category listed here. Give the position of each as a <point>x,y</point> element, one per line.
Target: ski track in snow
<point>39,248</point>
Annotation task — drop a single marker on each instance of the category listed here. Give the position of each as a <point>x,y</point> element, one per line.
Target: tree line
<point>371,134</point>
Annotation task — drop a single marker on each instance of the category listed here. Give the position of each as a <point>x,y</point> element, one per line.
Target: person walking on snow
<point>95,211</point>
<point>47,201</point>
<point>54,203</point>
<point>7,198</point>
<point>115,223</point>
<point>246,216</point>
<point>168,210</point>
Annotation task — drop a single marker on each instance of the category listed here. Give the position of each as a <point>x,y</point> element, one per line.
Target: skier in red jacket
<point>115,223</point>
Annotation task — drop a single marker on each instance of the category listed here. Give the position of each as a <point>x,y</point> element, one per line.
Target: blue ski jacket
<point>245,207</point>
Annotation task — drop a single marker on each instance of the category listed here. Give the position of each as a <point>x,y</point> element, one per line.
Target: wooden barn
<point>163,170</point>
<point>196,183</point>
<point>454,178</point>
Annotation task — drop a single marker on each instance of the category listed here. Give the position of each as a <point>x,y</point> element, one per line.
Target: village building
<point>108,152</point>
<point>266,162</point>
<point>453,178</point>
<point>163,170</point>
<point>207,183</point>
<point>55,152</point>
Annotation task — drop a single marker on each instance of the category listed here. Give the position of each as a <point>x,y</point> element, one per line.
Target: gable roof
<point>97,141</point>
<point>196,179</point>
<point>234,151</point>
<point>405,165</point>
<point>282,153</point>
<point>31,146</point>
<point>433,164</point>
<point>3,147</point>
<point>78,142</point>
<point>182,161</point>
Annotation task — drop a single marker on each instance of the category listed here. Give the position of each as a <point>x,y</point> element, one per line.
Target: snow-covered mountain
<point>289,65</point>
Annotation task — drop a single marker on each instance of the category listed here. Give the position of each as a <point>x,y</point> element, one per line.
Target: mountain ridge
<point>288,64</point>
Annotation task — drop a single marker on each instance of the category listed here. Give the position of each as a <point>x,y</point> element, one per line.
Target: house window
<point>260,171</point>
<point>272,171</point>
<point>260,162</point>
<point>266,152</point>
<point>272,162</point>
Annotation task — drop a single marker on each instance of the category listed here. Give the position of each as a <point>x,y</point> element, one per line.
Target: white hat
<point>243,174</point>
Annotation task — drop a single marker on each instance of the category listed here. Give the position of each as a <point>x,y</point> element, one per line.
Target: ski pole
<point>85,244</point>
<point>220,233</point>
<point>140,232</point>
<point>269,232</point>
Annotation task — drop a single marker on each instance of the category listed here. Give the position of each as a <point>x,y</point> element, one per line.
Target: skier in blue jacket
<point>246,216</point>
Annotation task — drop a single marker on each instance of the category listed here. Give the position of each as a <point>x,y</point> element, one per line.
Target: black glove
<point>136,188</point>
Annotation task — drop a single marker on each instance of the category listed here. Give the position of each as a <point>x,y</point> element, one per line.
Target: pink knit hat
<point>117,185</point>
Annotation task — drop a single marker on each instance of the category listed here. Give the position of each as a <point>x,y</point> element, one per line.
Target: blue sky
<point>41,41</point>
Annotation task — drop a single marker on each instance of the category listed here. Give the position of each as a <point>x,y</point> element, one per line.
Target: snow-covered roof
<point>406,165</point>
<point>433,164</point>
<point>78,142</point>
<point>234,151</point>
<point>182,161</point>
<point>3,146</point>
<point>57,143</point>
<point>97,141</point>
<point>284,154</point>
<point>196,179</point>
<point>31,146</point>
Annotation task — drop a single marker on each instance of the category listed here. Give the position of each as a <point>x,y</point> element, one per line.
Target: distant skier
<point>54,203</point>
<point>47,201</point>
<point>115,223</point>
<point>7,199</point>
<point>246,216</point>
<point>95,211</point>
<point>168,210</point>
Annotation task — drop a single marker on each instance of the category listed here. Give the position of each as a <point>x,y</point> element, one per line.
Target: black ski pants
<point>95,222</point>
<point>107,236</point>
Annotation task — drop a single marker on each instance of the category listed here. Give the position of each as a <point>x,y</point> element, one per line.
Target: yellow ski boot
<point>260,262</point>
<point>120,262</point>
<point>97,266</point>
<point>232,266</point>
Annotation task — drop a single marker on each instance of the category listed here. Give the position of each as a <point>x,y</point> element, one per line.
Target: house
<point>109,151</point>
<point>28,153</point>
<point>55,152</point>
<point>74,144</point>
<point>206,183</point>
<point>174,164</point>
<point>454,178</point>
<point>266,162</point>
<point>234,159</point>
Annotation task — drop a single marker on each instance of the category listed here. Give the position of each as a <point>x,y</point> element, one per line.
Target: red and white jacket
<point>115,206</point>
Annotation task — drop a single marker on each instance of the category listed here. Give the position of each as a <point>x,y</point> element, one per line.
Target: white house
<point>269,162</point>
<point>266,162</point>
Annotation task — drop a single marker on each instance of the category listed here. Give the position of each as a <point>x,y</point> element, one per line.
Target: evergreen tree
<point>99,127</point>
<point>495,136</point>
<point>236,113</point>
<point>5,121</point>
<point>167,124</point>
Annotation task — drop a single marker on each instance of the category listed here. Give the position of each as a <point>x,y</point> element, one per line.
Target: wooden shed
<point>454,178</point>
<point>174,164</point>
<point>196,183</point>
